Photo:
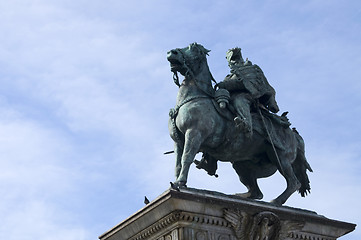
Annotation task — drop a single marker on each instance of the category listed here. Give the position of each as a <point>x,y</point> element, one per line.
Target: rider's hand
<point>221,85</point>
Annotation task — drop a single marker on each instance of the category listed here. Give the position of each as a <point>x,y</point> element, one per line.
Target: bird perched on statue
<point>146,200</point>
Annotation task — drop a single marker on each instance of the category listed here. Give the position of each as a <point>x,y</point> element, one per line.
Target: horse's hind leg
<point>286,170</point>
<point>247,176</point>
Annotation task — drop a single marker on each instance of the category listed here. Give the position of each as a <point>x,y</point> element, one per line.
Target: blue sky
<point>86,89</point>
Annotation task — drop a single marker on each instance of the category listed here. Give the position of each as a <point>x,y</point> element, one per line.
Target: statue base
<point>192,214</point>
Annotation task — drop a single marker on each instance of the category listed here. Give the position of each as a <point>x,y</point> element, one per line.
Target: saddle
<point>229,113</point>
<point>271,122</point>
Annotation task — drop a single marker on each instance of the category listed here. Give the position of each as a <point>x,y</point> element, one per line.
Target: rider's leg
<point>207,163</point>
<point>242,104</point>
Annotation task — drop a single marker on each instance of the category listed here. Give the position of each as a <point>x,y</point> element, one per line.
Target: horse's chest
<point>195,116</point>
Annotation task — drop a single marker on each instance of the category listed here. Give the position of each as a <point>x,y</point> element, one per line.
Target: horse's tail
<point>300,166</point>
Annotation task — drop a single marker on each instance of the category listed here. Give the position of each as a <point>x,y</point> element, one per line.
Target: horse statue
<point>198,124</point>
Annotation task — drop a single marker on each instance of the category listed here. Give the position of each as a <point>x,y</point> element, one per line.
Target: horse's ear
<point>200,47</point>
<point>206,51</point>
<point>195,44</point>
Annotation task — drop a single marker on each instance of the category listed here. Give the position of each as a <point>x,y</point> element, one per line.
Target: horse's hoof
<point>249,195</point>
<point>276,202</point>
<point>243,195</point>
<point>174,186</point>
<point>181,184</point>
<point>178,185</point>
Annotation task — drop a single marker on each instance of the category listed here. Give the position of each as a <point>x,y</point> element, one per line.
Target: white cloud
<point>35,175</point>
<point>36,219</point>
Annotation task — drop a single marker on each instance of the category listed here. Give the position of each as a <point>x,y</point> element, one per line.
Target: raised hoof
<point>250,195</point>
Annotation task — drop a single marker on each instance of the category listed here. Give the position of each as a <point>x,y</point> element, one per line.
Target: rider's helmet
<point>234,57</point>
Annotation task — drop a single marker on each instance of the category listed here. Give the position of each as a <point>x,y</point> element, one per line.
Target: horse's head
<point>188,61</point>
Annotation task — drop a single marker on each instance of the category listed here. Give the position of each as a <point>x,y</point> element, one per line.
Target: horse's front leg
<point>178,144</point>
<point>178,151</point>
<point>193,141</point>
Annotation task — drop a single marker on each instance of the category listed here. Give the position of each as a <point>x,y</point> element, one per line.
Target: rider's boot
<point>243,120</point>
<point>208,163</point>
<point>244,125</point>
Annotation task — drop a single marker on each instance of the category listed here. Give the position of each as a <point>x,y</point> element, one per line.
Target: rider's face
<point>234,58</point>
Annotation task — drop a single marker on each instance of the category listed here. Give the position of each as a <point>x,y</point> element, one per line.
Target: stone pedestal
<point>191,214</point>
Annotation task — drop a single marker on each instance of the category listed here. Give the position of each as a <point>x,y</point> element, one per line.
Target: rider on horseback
<point>247,85</point>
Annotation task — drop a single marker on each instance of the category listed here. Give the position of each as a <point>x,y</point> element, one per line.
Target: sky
<point>86,90</point>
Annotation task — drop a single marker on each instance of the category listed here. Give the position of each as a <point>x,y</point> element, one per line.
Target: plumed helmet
<point>234,55</point>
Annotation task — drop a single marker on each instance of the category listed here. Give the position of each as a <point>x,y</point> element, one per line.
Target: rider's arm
<point>232,84</point>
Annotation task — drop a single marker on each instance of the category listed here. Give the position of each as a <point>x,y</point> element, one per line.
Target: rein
<point>176,79</point>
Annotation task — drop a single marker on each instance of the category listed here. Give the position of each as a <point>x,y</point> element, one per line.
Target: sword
<point>169,152</point>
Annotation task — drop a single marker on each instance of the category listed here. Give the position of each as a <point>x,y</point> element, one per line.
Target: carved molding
<point>158,226</point>
<point>171,236</point>
<point>180,216</point>
<point>307,236</point>
<point>191,233</point>
<point>260,226</point>
<point>203,219</point>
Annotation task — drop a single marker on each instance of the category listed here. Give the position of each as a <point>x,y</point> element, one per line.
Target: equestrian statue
<point>233,121</point>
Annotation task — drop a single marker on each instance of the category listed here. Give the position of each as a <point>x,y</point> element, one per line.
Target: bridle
<point>189,74</point>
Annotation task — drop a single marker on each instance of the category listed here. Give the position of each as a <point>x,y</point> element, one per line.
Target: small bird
<point>146,200</point>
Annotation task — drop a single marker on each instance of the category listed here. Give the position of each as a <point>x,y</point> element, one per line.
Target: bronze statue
<point>199,124</point>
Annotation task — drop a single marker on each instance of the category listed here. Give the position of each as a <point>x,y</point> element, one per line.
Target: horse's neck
<point>199,86</point>
<point>187,90</point>
<point>204,81</point>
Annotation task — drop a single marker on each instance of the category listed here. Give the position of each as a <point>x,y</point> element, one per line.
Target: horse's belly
<point>237,148</point>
